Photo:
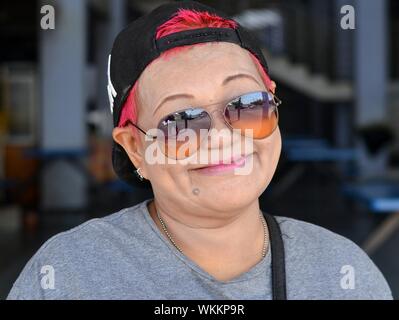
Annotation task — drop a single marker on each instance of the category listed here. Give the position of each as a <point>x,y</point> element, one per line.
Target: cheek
<point>167,176</point>
<point>268,151</point>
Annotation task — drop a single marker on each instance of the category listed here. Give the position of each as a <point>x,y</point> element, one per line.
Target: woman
<point>180,71</point>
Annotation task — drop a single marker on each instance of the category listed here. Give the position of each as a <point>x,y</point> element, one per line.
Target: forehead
<point>198,69</point>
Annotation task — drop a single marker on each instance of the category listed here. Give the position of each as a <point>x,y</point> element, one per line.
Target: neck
<point>224,246</point>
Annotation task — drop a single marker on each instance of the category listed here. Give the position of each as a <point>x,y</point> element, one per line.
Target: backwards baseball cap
<point>136,47</point>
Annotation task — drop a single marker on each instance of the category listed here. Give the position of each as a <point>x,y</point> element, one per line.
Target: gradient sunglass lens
<point>182,132</point>
<point>255,111</point>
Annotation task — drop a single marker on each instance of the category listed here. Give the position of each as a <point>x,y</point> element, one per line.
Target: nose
<point>218,120</point>
<point>221,134</point>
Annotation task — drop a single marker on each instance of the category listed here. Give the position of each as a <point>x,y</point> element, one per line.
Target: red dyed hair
<point>183,20</point>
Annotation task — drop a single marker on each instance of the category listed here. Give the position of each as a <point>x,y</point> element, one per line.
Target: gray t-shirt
<point>125,256</point>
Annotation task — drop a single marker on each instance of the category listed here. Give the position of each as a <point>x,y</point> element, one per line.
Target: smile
<point>222,167</point>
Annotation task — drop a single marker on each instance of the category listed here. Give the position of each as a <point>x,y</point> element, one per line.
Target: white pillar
<point>118,16</point>
<point>108,30</point>
<point>371,76</point>
<point>63,97</point>
<point>371,61</point>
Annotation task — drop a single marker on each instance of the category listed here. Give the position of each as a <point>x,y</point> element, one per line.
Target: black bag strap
<point>278,258</point>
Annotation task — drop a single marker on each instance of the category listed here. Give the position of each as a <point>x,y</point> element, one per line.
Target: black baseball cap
<point>136,47</point>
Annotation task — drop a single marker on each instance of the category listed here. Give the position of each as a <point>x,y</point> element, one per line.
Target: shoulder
<point>334,264</point>
<point>313,235</point>
<point>82,247</point>
<point>93,232</point>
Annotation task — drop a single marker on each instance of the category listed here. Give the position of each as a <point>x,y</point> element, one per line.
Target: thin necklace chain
<point>265,242</point>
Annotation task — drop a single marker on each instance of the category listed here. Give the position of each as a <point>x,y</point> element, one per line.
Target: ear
<point>131,144</point>
<point>273,87</point>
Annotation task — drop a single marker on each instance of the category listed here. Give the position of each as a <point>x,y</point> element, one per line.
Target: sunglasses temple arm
<point>278,101</point>
<point>141,130</point>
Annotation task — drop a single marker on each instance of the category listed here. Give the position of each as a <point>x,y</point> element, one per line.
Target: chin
<point>231,201</point>
<point>230,192</point>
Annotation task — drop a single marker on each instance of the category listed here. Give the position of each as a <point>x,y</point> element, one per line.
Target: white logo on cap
<point>110,87</point>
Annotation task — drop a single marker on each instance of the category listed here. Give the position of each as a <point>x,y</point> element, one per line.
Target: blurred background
<point>339,166</point>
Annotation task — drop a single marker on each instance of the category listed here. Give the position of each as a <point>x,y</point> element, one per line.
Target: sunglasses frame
<point>276,100</point>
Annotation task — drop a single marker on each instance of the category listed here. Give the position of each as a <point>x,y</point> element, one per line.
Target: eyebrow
<point>190,96</point>
<point>239,75</point>
<point>173,97</point>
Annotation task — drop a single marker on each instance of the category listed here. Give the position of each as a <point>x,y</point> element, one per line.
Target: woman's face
<point>199,73</point>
